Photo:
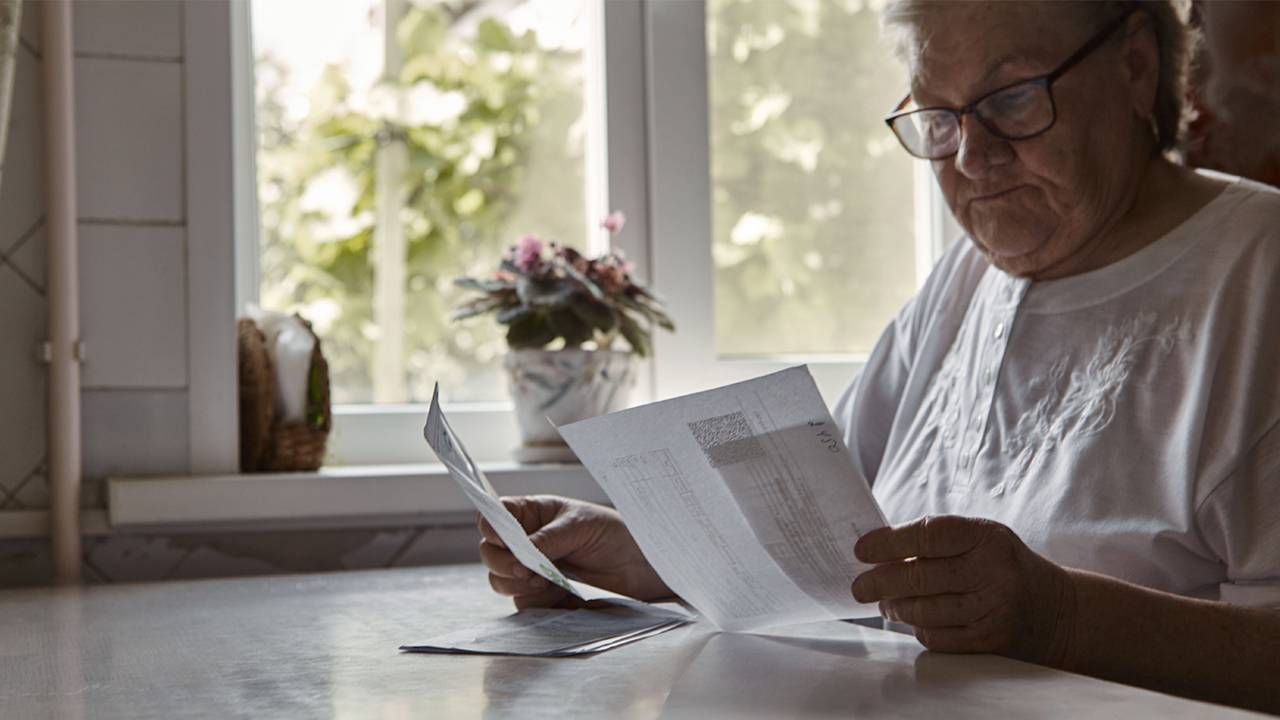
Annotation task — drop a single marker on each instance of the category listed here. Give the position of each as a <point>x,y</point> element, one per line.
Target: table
<point>313,646</point>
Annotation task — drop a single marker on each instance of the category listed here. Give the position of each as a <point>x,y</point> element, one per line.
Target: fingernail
<point>521,572</point>
<point>860,550</point>
<point>859,590</point>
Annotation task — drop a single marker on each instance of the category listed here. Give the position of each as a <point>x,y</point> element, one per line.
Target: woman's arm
<point>971,585</point>
<point>1199,649</point>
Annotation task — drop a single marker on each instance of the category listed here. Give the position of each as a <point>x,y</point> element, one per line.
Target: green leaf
<point>651,313</point>
<point>470,203</point>
<point>583,280</point>
<point>484,286</point>
<point>513,314</point>
<point>543,293</point>
<point>636,335</point>
<point>597,315</point>
<point>477,307</point>
<point>492,35</point>
<point>530,330</point>
<point>569,326</point>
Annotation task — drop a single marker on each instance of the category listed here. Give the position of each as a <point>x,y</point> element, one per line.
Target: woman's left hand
<point>968,586</point>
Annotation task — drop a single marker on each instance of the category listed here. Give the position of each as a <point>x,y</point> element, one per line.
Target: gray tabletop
<point>315,646</point>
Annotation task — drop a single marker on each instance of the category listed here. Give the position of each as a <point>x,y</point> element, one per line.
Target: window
<point>405,143</point>
<point>812,226</point>
<point>402,145</point>
<point>786,226</point>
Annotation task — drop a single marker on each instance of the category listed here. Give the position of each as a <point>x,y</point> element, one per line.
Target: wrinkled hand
<point>587,541</point>
<point>968,586</point>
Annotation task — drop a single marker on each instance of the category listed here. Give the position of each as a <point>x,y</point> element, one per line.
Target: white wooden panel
<point>22,183</point>
<point>134,432</point>
<point>135,28</point>
<point>129,139</point>
<point>22,379</point>
<point>30,257</point>
<point>369,495</point>
<point>25,524</point>
<point>627,155</point>
<point>211,213</point>
<point>133,306</point>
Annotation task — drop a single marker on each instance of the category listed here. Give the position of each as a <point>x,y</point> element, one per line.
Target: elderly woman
<point>1075,426</point>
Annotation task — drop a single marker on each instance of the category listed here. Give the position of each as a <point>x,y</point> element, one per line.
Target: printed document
<point>475,485</point>
<point>610,621</point>
<point>743,498</point>
<point>548,632</point>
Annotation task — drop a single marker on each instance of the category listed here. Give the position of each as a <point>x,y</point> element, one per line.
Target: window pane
<point>813,232</point>
<point>465,132</point>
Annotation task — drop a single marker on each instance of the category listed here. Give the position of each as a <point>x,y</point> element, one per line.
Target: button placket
<point>992,359</point>
<point>1011,295</point>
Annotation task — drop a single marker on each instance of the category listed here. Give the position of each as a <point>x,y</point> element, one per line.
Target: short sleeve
<point>866,408</point>
<point>1240,520</point>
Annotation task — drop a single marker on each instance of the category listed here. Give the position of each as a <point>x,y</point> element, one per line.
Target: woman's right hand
<point>587,541</point>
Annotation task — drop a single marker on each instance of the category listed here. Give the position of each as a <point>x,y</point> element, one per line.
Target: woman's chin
<point>1019,259</point>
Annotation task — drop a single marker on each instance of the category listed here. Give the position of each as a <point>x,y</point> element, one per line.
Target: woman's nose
<point>979,149</point>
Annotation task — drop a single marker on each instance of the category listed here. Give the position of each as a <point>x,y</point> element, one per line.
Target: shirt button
<point>999,333</point>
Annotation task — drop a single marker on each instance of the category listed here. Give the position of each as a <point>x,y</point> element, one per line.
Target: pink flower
<point>620,259</point>
<point>614,221</point>
<point>613,279</point>
<point>528,252</point>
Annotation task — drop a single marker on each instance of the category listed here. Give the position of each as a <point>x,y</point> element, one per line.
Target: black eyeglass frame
<point>1046,81</point>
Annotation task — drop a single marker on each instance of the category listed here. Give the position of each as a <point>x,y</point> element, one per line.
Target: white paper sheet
<point>556,632</point>
<point>473,482</point>
<point>743,498</point>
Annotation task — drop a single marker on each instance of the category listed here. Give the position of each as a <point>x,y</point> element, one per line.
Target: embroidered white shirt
<point>1125,421</point>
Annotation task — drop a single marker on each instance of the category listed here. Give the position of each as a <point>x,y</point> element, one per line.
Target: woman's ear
<point>1142,63</point>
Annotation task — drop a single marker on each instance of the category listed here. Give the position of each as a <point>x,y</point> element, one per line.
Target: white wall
<point>133,274</point>
<point>156,278</point>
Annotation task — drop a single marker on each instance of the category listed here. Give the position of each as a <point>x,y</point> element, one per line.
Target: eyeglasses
<point>1018,111</point>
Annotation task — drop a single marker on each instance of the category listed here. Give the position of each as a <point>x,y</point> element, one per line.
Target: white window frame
<point>680,217</point>
<point>652,160</point>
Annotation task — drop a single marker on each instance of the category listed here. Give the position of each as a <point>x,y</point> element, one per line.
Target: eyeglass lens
<point>1014,113</point>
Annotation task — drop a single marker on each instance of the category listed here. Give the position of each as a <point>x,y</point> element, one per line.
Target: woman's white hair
<point>901,21</point>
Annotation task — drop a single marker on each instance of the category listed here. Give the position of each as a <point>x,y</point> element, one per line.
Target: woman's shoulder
<point>1250,209</point>
<point>955,276</point>
<point>946,291</point>
<point>1235,239</point>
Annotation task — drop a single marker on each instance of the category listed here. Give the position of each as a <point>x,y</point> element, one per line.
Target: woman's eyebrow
<point>1013,58</point>
<point>923,98</point>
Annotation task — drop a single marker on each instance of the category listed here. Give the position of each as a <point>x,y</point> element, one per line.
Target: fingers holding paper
<point>507,576</point>
<point>966,585</point>
<point>587,541</point>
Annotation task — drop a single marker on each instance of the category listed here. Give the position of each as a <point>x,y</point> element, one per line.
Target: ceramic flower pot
<point>563,386</point>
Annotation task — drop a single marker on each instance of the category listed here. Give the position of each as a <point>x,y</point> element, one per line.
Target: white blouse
<point>1125,421</point>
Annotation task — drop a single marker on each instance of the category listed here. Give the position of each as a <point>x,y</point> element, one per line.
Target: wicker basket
<point>266,444</point>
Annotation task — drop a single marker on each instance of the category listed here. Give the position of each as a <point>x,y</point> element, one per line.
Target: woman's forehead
<point>959,50</point>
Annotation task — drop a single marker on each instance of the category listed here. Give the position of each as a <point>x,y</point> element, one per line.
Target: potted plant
<point>575,326</point>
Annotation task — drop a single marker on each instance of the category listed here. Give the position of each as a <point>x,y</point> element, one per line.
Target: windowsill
<point>342,497</point>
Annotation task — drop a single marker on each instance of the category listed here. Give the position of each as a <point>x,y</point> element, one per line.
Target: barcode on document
<point>727,439</point>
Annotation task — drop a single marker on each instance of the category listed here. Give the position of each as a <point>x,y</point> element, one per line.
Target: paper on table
<point>743,498</point>
<point>551,632</point>
<point>462,468</point>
